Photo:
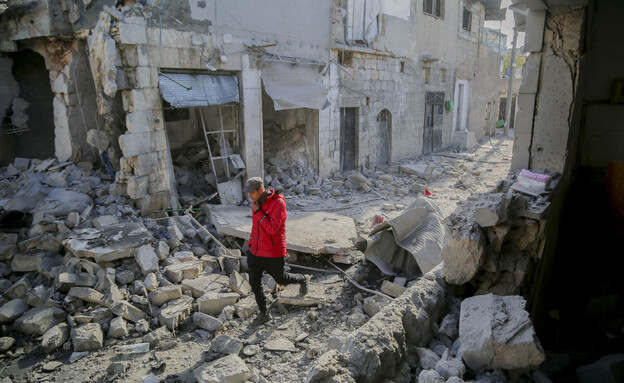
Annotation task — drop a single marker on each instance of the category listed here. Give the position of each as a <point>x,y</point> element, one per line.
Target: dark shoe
<point>262,318</point>
<point>304,286</point>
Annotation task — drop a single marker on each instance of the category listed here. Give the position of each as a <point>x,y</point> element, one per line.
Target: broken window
<point>172,114</point>
<point>434,8</point>
<point>467,21</point>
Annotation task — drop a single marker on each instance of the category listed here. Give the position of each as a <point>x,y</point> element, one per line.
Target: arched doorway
<point>384,137</point>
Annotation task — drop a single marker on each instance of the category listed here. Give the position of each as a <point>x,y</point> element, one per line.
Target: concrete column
<point>251,100</point>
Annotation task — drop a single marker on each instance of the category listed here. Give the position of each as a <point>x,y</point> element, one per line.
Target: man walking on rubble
<point>267,244</point>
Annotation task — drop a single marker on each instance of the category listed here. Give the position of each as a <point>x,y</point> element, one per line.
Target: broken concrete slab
<point>491,210</point>
<point>86,294</point>
<point>184,270</point>
<point>60,202</point>
<point>280,344</point>
<point>146,259</point>
<point>175,312</point>
<point>205,284</point>
<point>246,307</point>
<point>225,344</point>
<point>24,263</point>
<point>127,311</point>
<point>290,296</point>
<point>27,197</point>
<point>112,243</point>
<point>117,328</point>
<point>206,321</point>
<point>13,310</point>
<point>239,284</point>
<point>39,320</point>
<point>87,337</point>
<point>162,295</point>
<point>307,232</point>
<point>55,337</point>
<point>229,369</point>
<point>496,332</point>
<point>421,170</point>
<point>213,303</point>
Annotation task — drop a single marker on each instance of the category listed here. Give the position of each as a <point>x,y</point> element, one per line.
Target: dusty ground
<point>463,173</point>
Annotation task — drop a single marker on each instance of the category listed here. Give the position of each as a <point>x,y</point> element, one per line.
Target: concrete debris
<point>162,295</point>
<point>55,337</point>
<point>13,310</point>
<point>206,321</point>
<point>226,345</point>
<point>175,312</point>
<point>138,348</point>
<point>246,307</point>
<point>146,259</point>
<point>213,303</point>
<point>304,234</point>
<point>87,337</point>
<point>496,332</point>
<point>463,253</point>
<point>392,289</point>
<point>229,369</point>
<point>39,320</point>
<point>280,344</point>
<point>117,328</point>
<point>239,284</point>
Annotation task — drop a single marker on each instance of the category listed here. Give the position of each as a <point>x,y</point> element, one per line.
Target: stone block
<point>224,344</point>
<point>246,307</point>
<point>213,303</point>
<point>172,315</point>
<point>87,337</point>
<point>12,310</point>
<point>39,295</point>
<point>137,186</point>
<point>206,321</point>
<point>205,284</point>
<point>392,289</point>
<point>39,320</point>
<point>229,369</point>
<point>155,337</point>
<point>496,332</point>
<point>117,328</point>
<point>127,311</point>
<point>141,99</point>
<point>55,337</point>
<point>146,77</point>
<point>146,258</point>
<point>463,254</point>
<point>492,210</point>
<point>165,294</point>
<point>132,34</point>
<point>162,250</point>
<point>67,280</point>
<point>134,144</point>
<point>124,277</point>
<point>86,294</point>
<point>185,256</point>
<point>185,270</point>
<point>18,289</point>
<point>239,284</point>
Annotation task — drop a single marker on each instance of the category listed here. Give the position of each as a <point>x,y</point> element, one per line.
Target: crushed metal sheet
<point>190,90</point>
<point>293,87</point>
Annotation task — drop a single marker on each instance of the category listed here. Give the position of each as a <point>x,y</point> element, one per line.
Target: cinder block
<point>132,34</point>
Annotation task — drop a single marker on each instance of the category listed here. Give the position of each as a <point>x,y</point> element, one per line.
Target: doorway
<point>384,137</point>
<point>347,139</point>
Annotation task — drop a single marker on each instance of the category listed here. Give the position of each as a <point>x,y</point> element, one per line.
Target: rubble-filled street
<point>94,292</point>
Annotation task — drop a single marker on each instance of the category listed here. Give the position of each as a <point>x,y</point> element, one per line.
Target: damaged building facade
<point>159,92</point>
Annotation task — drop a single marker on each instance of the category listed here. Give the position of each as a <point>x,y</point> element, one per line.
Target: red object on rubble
<point>427,193</point>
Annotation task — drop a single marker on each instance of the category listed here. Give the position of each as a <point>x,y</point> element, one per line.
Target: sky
<point>506,26</point>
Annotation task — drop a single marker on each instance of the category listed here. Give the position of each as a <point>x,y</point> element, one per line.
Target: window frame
<point>436,8</point>
<point>467,26</point>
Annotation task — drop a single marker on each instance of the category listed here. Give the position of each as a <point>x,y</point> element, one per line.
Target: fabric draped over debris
<point>192,90</point>
<point>410,244</point>
<point>293,87</point>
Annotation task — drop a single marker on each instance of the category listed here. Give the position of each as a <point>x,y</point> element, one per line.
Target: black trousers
<point>275,268</point>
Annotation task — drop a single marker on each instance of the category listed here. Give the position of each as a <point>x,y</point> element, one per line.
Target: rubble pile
<point>494,240</point>
<point>85,270</point>
<point>426,336</point>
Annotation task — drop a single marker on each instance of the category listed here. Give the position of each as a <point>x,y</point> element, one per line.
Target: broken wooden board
<point>307,232</point>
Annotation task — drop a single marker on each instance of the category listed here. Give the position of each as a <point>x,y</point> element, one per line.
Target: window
<point>172,114</point>
<point>427,75</point>
<point>434,8</point>
<point>442,75</point>
<point>402,66</point>
<point>466,23</point>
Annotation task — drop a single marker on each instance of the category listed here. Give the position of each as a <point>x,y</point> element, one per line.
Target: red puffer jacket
<point>268,231</point>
